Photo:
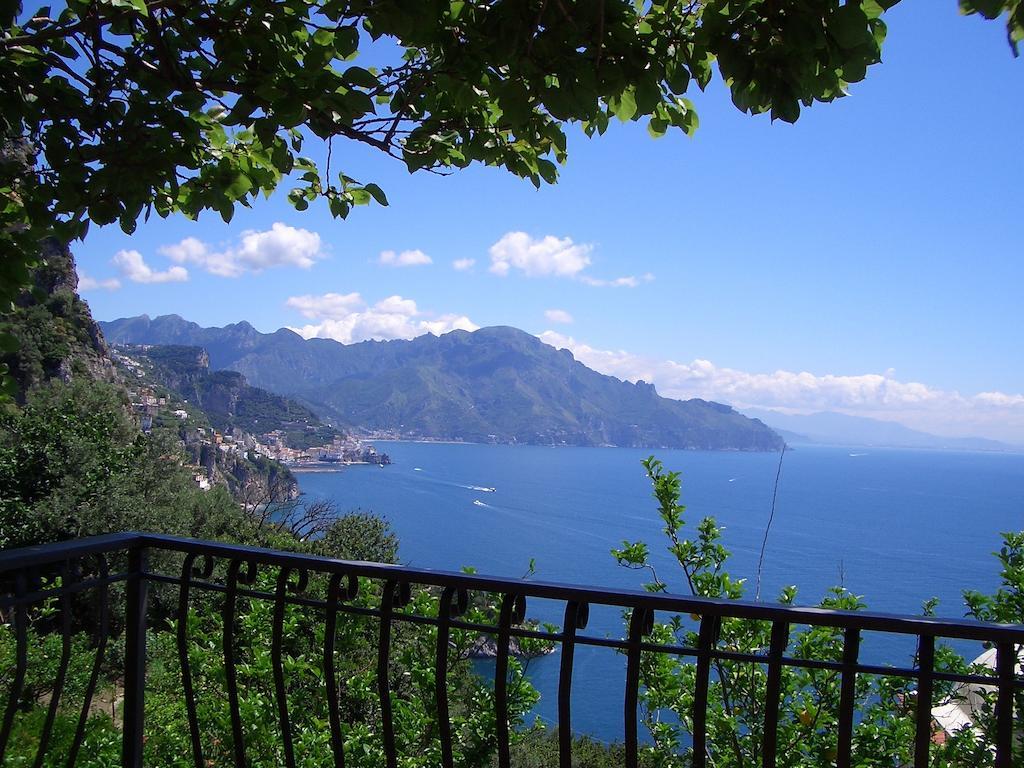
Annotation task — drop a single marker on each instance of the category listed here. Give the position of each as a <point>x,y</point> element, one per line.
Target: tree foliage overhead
<point>133,106</point>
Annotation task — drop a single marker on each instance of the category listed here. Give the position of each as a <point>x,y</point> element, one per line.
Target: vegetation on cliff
<point>227,399</point>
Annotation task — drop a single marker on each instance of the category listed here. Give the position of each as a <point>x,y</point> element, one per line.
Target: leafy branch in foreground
<point>808,721</point>
<point>111,110</point>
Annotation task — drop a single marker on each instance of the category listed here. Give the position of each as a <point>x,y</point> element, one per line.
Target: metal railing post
<point>134,659</point>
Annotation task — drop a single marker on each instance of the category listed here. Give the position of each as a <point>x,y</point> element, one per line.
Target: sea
<point>895,526</point>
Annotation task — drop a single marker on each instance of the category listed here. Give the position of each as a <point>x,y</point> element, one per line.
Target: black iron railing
<point>132,565</point>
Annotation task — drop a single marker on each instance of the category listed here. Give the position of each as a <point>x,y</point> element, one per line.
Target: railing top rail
<point>44,554</point>
<point>965,629</point>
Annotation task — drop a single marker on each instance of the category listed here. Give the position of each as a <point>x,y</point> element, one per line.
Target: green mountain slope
<point>496,384</point>
<point>227,399</point>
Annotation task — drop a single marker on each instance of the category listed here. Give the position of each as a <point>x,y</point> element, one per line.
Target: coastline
<point>330,466</point>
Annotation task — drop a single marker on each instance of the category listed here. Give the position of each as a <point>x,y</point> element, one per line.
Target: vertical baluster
<point>334,596</point>
<point>21,660</point>
<point>134,660</point>
<point>773,687</point>
<point>230,672</point>
<point>1006,663</point>
<point>387,605</point>
<point>101,648</point>
<point>640,623</point>
<point>925,686</point>
<point>277,662</point>
<point>183,656</point>
<point>62,668</point>
<point>847,691</point>
<point>576,615</point>
<point>447,610</point>
<point>513,611</point>
<point>706,639</point>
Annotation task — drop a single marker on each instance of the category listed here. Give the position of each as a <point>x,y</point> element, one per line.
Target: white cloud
<point>550,256</point>
<point>463,265</point>
<point>348,318</point>
<point>396,305</point>
<point>414,258</point>
<point>333,306</point>
<point>448,322</point>
<point>876,395</point>
<point>134,267</point>
<point>279,246</point>
<point>86,283</point>
<point>628,281</point>
<point>558,316</point>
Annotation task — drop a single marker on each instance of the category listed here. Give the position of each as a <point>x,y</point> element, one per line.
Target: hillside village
<point>214,443</point>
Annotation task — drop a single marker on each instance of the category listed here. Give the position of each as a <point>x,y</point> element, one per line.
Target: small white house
<point>967,700</point>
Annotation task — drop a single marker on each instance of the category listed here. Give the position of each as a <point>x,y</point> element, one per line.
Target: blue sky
<point>867,259</point>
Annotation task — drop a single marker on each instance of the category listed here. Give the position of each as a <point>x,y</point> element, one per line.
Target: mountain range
<point>496,384</point>
<point>842,429</point>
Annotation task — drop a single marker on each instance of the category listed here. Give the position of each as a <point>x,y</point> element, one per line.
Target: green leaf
<point>360,77</point>
<point>238,187</point>
<point>547,170</point>
<point>377,193</point>
<point>657,127</point>
<point>848,24</point>
<point>624,107</point>
<point>787,110</point>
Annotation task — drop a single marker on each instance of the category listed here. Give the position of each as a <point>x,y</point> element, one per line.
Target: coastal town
<point>300,444</point>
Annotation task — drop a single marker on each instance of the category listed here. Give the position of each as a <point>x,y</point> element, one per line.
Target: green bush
<point>808,720</point>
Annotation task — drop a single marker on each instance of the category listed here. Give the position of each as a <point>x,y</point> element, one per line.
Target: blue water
<point>895,526</point>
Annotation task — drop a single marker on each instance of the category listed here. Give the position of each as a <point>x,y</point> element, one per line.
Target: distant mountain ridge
<point>859,431</point>
<point>496,384</point>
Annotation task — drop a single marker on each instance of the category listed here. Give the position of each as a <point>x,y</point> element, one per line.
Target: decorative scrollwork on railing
<point>453,603</point>
<point>641,624</point>
<point>101,568</point>
<point>512,612</point>
<point>246,571</point>
<point>337,593</point>
<point>295,581</point>
<point>72,580</point>
<point>61,582</point>
<point>239,572</point>
<point>402,594</point>
<point>396,594</point>
<point>19,618</point>
<point>577,614</point>
<point>190,570</point>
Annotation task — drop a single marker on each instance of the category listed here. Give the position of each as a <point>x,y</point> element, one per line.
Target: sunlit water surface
<point>895,526</point>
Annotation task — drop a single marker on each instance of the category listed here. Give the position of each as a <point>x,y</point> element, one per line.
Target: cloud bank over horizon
<point>995,415</point>
<point>348,318</point>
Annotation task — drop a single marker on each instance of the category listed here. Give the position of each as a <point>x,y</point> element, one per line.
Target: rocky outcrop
<point>56,335</point>
<point>486,647</point>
